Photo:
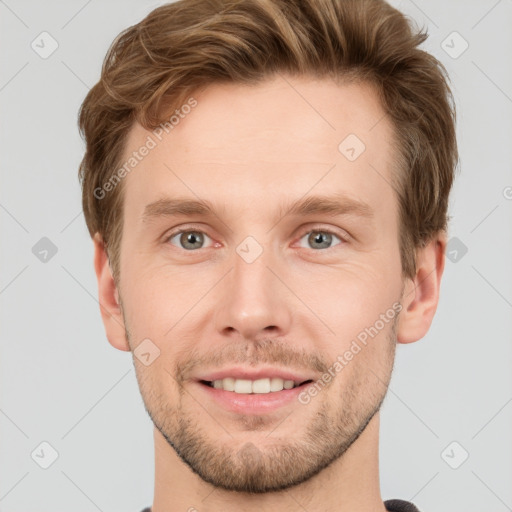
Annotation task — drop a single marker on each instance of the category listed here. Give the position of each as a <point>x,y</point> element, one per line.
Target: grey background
<point>62,383</point>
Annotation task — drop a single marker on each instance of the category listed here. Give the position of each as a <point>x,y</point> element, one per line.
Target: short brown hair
<point>153,66</point>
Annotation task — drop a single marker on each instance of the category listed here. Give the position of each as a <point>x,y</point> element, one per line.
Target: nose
<point>253,302</point>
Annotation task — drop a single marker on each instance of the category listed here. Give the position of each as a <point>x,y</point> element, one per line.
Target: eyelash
<point>343,238</point>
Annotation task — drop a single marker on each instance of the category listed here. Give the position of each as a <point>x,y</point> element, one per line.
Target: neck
<point>351,483</point>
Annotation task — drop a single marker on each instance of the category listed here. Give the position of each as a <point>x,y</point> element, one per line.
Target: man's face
<point>255,286</point>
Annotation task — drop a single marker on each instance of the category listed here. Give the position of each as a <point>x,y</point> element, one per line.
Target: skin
<point>250,151</point>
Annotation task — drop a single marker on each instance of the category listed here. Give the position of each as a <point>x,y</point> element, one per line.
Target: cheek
<point>162,301</point>
<point>356,303</point>
<point>352,296</point>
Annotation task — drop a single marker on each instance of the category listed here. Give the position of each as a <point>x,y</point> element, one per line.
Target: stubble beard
<point>276,463</point>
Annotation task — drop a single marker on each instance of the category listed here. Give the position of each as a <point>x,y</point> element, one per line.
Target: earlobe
<point>421,294</point>
<point>108,296</point>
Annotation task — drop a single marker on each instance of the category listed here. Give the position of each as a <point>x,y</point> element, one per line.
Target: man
<point>267,183</point>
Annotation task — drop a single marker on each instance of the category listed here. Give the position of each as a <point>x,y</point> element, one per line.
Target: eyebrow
<point>334,205</point>
<point>337,204</point>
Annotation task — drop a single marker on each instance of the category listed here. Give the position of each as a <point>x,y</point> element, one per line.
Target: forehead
<point>275,140</point>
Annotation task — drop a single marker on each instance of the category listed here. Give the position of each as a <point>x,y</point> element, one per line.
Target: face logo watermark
<point>146,352</point>
<point>44,250</point>
<point>351,147</point>
<point>44,455</point>
<point>454,45</point>
<point>455,455</point>
<point>456,249</point>
<point>249,249</point>
<point>44,45</point>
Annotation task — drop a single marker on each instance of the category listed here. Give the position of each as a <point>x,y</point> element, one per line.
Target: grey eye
<point>319,239</point>
<point>189,240</point>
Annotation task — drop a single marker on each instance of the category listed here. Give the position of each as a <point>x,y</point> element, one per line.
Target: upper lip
<point>239,372</point>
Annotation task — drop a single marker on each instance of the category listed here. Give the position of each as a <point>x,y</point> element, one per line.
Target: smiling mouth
<point>251,387</point>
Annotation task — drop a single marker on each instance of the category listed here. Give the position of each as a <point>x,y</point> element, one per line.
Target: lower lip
<point>255,403</point>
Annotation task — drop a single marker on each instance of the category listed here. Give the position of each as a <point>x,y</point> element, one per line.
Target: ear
<point>109,298</point>
<point>421,294</point>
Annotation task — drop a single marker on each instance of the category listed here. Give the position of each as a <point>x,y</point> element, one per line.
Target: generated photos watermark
<point>342,360</point>
<point>151,143</point>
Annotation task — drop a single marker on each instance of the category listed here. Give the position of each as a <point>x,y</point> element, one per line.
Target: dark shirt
<point>398,506</point>
<point>391,506</point>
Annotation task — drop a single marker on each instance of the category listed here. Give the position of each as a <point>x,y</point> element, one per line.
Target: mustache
<point>253,353</point>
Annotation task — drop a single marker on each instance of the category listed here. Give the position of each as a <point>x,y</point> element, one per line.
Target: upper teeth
<point>253,386</point>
